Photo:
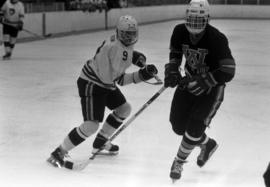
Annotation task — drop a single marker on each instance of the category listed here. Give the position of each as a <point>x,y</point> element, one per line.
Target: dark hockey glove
<point>138,59</point>
<point>266,176</point>
<point>201,83</point>
<point>148,72</point>
<point>19,25</point>
<point>172,75</point>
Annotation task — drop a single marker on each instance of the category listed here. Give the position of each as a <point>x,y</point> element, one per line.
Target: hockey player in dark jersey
<point>200,81</point>
<point>266,176</point>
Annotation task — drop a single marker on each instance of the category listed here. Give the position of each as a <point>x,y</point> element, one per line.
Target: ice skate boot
<point>107,149</point>
<point>102,146</point>
<point>176,169</point>
<point>57,158</point>
<point>207,151</point>
<point>7,56</point>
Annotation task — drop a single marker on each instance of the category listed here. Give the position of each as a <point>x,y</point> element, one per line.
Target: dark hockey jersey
<point>209,54</point>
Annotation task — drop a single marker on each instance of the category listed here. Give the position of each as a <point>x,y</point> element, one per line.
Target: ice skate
<point>207,151</point>
<point>176,169</point>
<point>57,158</point>
<point>7,56</point>
<point>107,149</point>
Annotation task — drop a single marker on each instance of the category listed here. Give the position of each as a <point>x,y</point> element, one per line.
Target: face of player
<point>195,24</point>
<point>128,38</point>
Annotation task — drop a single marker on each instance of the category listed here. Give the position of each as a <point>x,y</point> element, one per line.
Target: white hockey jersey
<point>13,12</point>
<point>109,64</point>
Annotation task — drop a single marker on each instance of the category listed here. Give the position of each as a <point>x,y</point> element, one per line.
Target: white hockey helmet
<point>127,30</point>
<point>197,16</point>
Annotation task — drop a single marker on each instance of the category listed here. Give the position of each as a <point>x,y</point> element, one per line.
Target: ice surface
<point>39,105</point>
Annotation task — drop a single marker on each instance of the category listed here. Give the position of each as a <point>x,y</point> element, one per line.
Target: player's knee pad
<point>88,128</point>
<point>79,134</point>
<point>6,38</point>
<point>7,44</point>
<point>112,123</point>
<point>13,40</point>
<point>123,111</point>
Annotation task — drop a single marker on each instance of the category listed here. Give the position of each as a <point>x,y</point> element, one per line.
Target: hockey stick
<point>28,31</point>
<point>158,81</point>
<point>82,165</point>
<point>37,35</point>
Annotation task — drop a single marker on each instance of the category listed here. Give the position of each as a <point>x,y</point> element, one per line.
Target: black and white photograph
<point>134,93</point>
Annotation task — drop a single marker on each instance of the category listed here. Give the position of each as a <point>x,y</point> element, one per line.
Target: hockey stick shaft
<point>159,81</point>
<point>80,166</point>
<point>28,31</point>
<point>36,35</point>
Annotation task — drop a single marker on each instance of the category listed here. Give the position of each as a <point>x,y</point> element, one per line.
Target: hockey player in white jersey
<point>11,16</point>
<point>98,89</point>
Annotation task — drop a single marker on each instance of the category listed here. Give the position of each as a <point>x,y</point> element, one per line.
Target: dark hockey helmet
<point>197,16</point>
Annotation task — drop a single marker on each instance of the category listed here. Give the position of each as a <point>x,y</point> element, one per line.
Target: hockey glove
<point>138,59</point>
<point>19,25</point>
<point>148,72</point>
<point>172,75</point>
<point>266,176</point>
<point>201,83</point>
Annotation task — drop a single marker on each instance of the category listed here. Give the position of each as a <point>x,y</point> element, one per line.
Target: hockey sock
<point>99,141</point>
<point>7,47</point>
<point>204,139</point>
<point>111,124</point>
<point>187,145</point>
<point>11,47</point>
<point>74,138</point>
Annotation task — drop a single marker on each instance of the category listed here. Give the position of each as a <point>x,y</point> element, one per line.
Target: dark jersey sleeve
<point>226,64</point>
<point>175,55</point>
<point>222,49</point>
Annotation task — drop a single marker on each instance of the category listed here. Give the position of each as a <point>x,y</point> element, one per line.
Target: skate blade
<point>174,181</point>
<point>107,153</point>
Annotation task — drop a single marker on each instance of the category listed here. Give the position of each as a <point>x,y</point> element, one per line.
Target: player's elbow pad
<point>175,55</point>
<point>138,59</point>
<point>226,71</point>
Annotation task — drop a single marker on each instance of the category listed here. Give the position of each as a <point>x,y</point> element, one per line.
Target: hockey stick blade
<point>78,166</point>
<point>29,32</point>
<point>158,81</point>
<point>48,35</point>
<point>37,35</point>
<point>82,165</point>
